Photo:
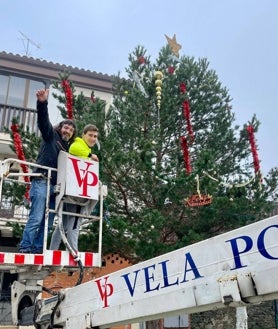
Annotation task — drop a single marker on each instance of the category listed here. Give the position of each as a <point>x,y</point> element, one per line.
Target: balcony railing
<point>26,117</point>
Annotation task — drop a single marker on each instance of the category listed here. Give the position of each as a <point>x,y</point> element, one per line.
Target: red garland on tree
<point>256,162</point>
<point>186,158</point>
<point>69,98</point>
<point>183,88</point>
<point>186,113</point>
<point>20,154</point>
<point>184,144</point>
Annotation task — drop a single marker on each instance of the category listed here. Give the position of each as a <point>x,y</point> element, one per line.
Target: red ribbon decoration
<point>183,88</point>
<point>186,158</point>
<point>183,140</point>
<point>20,155</point>
<point>186,113</point>
<point>69,98</point>
<point>171,70</point>
<point>141,60</point>
<point>256,161</point>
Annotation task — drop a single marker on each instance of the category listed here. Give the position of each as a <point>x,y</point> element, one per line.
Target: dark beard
<point>65,138</point>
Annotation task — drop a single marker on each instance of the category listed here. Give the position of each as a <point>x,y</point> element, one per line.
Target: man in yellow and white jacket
<point>81,147</point>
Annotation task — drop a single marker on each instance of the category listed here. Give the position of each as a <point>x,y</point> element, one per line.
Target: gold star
<point>175,47</point>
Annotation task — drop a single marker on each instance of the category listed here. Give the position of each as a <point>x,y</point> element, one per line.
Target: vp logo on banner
<point>83,178</point>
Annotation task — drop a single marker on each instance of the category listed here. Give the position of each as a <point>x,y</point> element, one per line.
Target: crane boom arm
<point>231,269</point>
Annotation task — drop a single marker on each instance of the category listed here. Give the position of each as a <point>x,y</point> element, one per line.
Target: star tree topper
<point>175,47</point>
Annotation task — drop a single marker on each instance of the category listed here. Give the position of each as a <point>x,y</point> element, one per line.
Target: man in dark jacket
<point>54,139</point>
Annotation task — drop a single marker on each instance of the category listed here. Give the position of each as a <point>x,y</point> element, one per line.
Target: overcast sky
<point>238,37</point>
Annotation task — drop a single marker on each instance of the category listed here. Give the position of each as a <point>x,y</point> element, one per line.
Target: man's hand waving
<point>42,95</point>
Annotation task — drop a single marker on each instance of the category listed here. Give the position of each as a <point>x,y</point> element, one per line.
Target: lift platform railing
<point>77,182</point>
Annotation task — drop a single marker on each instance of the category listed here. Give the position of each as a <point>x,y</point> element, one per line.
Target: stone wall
<point>260,316</point>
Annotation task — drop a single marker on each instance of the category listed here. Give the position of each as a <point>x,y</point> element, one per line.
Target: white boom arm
<point>233,269</point>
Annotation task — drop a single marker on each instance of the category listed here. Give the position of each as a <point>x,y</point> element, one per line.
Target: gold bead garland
<point>158,83</point>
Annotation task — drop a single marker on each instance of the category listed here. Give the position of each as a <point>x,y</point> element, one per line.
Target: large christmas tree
<point>177,167</point>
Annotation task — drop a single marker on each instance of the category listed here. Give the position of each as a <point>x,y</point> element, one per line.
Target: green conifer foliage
<point>144,165</point>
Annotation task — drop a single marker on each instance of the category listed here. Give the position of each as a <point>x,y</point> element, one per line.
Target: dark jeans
<point>33,234</point>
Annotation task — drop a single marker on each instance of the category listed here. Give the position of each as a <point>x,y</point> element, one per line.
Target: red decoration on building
<point>69,98</point>
<point>186,157</point>
<point>256,161</point>
<point>20,154</point>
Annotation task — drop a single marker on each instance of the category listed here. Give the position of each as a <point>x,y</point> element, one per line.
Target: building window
<point>34,86</point>
<point>19,92</point>
<point>4,80</point>
<point>18,100</point>
<point>16,91</point>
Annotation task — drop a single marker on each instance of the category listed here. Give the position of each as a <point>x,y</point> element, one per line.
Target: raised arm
<point>44,123</point>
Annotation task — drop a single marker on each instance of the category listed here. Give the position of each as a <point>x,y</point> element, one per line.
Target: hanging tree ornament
<point>171,70</point>
<point>141,60</point>
<point>198,200</point>
<point>158,83</point>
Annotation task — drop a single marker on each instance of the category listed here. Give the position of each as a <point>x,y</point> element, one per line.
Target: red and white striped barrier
<point>49,258</point>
